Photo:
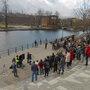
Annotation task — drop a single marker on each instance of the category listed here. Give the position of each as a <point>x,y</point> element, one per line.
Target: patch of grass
<point>2,26</point>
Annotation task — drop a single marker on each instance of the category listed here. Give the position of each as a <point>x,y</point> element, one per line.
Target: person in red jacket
<point>87,53</point>
<point>41,66</point>
<point>72,56</point>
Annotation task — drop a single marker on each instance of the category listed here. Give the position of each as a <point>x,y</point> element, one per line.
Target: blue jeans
<point>34,76</point>
<point>62,69</point>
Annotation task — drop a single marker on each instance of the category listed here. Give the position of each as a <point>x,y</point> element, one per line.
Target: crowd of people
<point>17,62</point>
<point>72,48</point>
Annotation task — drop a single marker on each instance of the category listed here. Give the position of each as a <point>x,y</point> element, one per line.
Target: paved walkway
<point>77,78</point>
<point>6,76</point>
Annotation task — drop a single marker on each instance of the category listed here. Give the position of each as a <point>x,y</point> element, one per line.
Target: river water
<point>13,39</point>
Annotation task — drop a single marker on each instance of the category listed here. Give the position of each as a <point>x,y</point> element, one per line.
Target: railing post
<point>8,52</point>
<point>15,49</point>
<point>22,47</point>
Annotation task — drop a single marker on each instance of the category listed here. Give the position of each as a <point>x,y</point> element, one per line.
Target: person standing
<point>41,65</point>
<point>36,44</point>
<point>34,69</point>
<point>28,59</point>
<point>72,56</point>
<point>62,64</point>
<point>37,67</point>
<point>46,45</point>
<point>67,59</point>
<point>55,65</point>
<point>17,61</point>
<point>78,53</point>
<point>87,53</point>
<point>46,67</point>
<point>14,67</point>
<point>40,42</point>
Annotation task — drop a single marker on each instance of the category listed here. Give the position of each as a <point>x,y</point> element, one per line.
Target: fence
<point>23,47</point>
<point>19,48</point>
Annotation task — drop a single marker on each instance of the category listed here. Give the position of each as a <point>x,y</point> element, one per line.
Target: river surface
<point>13,39</point>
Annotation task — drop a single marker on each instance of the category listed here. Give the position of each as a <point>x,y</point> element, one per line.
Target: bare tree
<point>81,13</point>
<point>48,13</point>
<point>40,12</point>
<point>5,11</point>
<point>57,13</point>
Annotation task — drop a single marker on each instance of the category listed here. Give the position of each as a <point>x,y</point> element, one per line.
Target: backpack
<point>47,64</point>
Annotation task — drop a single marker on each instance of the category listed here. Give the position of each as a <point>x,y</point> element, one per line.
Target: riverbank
<point>24,28</point>
<point>28,28</point>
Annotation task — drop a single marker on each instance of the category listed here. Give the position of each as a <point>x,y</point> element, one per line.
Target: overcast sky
<point>64,7</point>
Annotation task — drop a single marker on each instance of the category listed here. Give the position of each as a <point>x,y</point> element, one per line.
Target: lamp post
<point>62,33</point>
<point>62,29</point>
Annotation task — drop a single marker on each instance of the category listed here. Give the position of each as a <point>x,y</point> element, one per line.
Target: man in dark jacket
<point>62,64</point>
<point>29,58</point>
<point>55,64</point>
<point>34,69</point>
<point>14,67</point>
<point>46,67</point>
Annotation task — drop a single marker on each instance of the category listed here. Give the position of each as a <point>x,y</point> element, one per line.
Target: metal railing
<point>24,47</point>
<point>19,48</point>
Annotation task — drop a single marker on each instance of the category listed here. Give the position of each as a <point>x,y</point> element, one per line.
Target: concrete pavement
<point>77,78</point>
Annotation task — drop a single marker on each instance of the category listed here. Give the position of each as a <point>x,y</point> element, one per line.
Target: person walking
<point>34,69</point>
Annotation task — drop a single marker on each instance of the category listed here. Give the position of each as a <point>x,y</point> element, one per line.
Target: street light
<point>62,28</point>
<point>62,33</point>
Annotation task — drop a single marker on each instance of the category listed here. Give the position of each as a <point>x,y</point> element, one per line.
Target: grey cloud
<point>31,6</point>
